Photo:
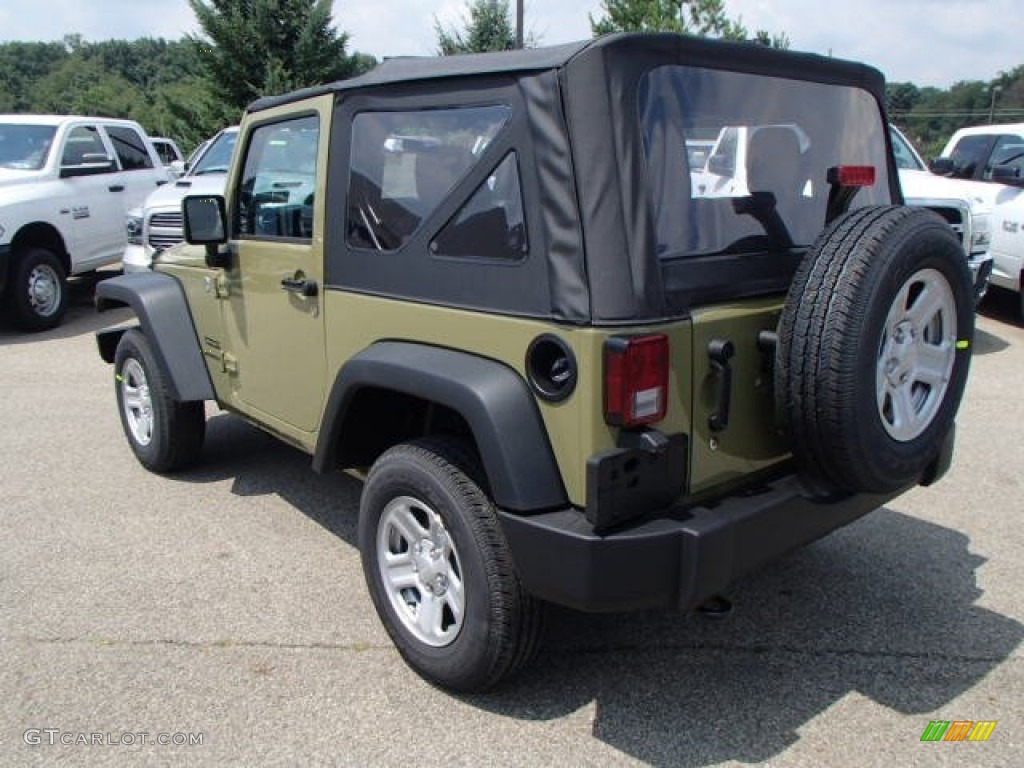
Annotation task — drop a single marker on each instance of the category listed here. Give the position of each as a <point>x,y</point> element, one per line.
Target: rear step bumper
<point>679,559</point>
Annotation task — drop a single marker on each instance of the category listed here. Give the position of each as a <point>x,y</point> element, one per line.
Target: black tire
<point>860,414</point>
<point>165,435</point>
<point>500,622</point>
<point>37,293</point>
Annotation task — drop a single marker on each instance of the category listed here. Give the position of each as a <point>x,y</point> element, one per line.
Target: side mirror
<point>1007,174</point>
<point>206,224</point>
<point>942,166</point>
<point>92,163</point>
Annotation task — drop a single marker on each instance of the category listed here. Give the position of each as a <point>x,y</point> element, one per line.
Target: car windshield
<point>738,162</point>
<point>217,157</point>
<point>25,147</point>
<point>907,158</point>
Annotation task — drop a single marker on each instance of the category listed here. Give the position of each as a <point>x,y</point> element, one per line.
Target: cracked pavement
<point>229,601</point>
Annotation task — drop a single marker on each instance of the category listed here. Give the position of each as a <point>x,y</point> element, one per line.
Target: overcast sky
<point>928,42</point>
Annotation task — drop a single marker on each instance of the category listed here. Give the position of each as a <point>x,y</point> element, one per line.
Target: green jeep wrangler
<point>605,324</point>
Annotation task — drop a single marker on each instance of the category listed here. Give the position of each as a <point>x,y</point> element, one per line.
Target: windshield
<point>907,158</point>
<point>738,163</point>
<point>217,157</point>
<point>25,147</point>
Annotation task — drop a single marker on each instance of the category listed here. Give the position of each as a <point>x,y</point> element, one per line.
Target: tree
<point>21,66</point>
<point>85,87</point>
<point>489,27</point>
<point>703,18</point>
<point>255,48</point>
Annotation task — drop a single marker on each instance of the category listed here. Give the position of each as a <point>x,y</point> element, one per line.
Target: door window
<point>166,152</point>
<point>1009,150</point>
<point>83,145</point>
<point>968,155</point>
<point>278,183</point>
<point>130,148</point>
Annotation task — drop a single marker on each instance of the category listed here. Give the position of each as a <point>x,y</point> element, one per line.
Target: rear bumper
<point>677,560</point>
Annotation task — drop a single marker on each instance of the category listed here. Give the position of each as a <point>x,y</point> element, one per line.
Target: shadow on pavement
<point>885,608</point>
<point>1002,305</point>
<point>986,343</point>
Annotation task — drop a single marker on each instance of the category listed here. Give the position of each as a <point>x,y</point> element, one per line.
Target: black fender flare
<point>493,399</point>
<point>160,304</point>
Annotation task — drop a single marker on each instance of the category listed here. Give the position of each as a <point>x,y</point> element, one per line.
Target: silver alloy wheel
<point>44,290</point>
<point>420,571</point>
<point>136,401</point>
<point>916,354</point>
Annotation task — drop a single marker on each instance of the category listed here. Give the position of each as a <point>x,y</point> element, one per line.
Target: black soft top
<point>592,57</point>
<point>577,123</point>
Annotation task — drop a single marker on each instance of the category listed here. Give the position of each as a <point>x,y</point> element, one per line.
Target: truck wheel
<point>439,570</point>
<point>165,435</point>
<point>874,349</point>
<point>38,293</point>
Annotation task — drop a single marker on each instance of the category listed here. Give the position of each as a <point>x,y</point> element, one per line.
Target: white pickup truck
<point>1008,248</point>
<point>966,205</point>
<point>156,225</point>
<point>66,184</point>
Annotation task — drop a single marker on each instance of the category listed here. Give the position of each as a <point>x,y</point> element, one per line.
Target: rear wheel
<point>874,349</point>
<point>38,292</point>
<point>165,435</point>
<point>439,571</point>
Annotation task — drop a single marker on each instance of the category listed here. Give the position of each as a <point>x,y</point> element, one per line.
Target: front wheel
<point>439,571</point>
<point>38,292</point>
<point>165,435</point>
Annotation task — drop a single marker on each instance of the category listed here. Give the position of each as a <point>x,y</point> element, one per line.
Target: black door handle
<point>300,286</point>
<point>116,188</point>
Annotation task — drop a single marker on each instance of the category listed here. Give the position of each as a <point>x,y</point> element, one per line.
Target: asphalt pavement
<point>223,611</point>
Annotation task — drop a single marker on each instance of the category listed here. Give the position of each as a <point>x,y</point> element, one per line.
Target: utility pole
<point>992,104</point>
<point>519,24</point>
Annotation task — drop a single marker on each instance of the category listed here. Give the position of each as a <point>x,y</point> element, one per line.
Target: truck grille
<point>165,230</point>
<point>954,216</point>
<point>169,220</point>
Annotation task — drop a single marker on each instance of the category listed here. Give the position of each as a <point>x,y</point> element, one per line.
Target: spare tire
<point>874,349</point>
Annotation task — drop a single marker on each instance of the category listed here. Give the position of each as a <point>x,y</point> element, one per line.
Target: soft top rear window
<point>737,162</point>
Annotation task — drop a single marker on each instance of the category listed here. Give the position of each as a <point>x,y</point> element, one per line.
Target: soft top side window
<point>404,164</point>
<point>491,224</point>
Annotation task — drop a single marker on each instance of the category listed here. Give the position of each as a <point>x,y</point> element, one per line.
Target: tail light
<point>852,175</point>
<point>635,380</point>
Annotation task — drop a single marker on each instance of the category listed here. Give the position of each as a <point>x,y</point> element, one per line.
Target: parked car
<point>965,204</point>
<point>66,184</point>
<point>1008,248</point>
<point>571,376</point>
<point>156,224</point>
